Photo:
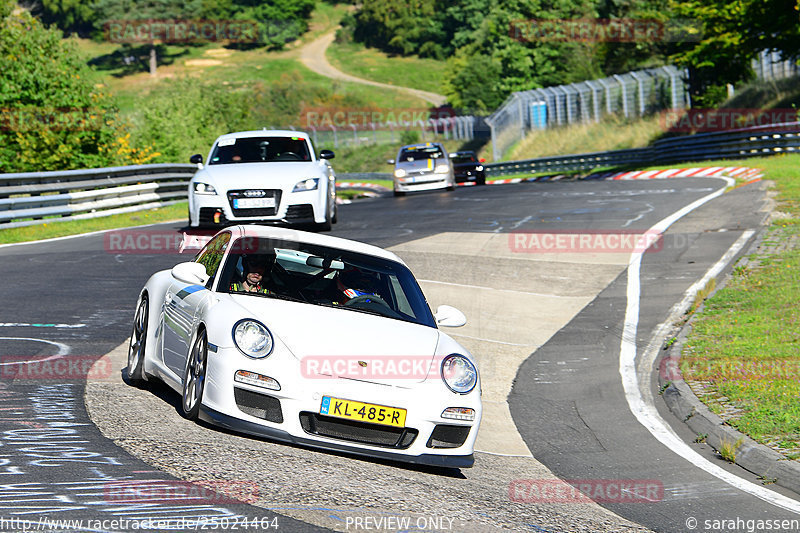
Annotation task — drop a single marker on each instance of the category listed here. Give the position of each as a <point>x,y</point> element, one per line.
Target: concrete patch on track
<point>332,490</point>
<point>514,302</point>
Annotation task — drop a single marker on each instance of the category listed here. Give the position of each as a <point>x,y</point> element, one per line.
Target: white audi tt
<point>313,340</point>
<point>268,176</point>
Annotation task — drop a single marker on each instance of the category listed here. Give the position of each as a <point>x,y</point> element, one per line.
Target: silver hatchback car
<point>422,167</point>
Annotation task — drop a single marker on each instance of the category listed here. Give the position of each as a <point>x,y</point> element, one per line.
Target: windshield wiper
<point>361,310</point>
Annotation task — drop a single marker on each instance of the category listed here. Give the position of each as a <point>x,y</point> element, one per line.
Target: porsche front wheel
<point>137,343</point>
<point>194,378</point>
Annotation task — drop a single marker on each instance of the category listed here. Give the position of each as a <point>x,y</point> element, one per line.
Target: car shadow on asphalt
<point>166,394</point>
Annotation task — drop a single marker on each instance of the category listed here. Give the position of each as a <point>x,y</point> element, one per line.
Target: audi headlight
<point>442,169</point>
<point>306,185</point>
<point>459,374</point>
<point>203,188</point>
<point>252,338</point>
<point>399,173</point>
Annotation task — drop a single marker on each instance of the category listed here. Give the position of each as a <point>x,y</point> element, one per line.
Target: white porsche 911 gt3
<point>313,340</point>
<point>269,176</point>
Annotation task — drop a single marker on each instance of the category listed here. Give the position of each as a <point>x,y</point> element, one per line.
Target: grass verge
<point>49,230</point>
<point>372,64</point>
<point>743,353</point>
<point>613,133</point>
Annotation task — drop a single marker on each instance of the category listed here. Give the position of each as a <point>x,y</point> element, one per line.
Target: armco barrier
<point>32,196</point>
<point>36,197</point>
<point>732,144</point>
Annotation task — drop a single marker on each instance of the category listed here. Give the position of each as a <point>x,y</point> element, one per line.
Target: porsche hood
<point>347,343</point>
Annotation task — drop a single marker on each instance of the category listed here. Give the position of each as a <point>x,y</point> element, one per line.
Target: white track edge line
<point>646,414</point>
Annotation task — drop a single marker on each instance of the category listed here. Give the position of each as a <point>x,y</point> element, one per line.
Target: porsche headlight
<point>442,169</point>
<point>399,173</point>
<point>306,185</point>
<point>252,338</point>
<point>459,374</point>
<point>203,188</point>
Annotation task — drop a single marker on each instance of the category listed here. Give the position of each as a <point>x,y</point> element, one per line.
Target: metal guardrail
<point>37,197</point>
<point>732,144</point>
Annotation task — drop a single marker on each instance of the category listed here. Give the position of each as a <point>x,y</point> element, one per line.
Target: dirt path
<point>312,55</point>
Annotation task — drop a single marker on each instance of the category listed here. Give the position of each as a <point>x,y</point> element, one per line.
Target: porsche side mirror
<point>449,317</point>
<point>196,159</point>
<point>327,154</point>
<point>390,161</point>
<point>190,272</point>
<point>482,160</point>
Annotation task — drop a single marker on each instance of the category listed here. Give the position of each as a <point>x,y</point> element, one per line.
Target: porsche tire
<point>194,377</point>
<point>137,343</point>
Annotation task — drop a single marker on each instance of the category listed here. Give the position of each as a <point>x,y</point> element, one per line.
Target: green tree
<point>53,116</point>
<point>402,26</point>
<point>6,7</point>
<point>487,58</point>
<point>280,21</point>
<point>620,57</point>
<point>734,32</point>
<point>69,15</point>
<point>513,59</point>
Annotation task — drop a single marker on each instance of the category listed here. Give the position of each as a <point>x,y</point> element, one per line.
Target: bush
<point>53,116</point>
<point>409,137</point>
<point>184,116</point>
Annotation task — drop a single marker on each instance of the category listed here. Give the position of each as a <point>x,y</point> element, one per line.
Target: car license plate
<point>363,412</point>
<point>253,203</point>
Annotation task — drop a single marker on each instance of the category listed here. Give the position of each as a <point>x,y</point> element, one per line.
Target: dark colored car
<point>468,167</point>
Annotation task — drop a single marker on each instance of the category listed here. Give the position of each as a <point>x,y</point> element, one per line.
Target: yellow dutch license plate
<point>363,412</point>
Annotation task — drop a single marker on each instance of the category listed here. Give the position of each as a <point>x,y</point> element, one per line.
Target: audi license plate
<point>253,203</point>
<point>363,412</point>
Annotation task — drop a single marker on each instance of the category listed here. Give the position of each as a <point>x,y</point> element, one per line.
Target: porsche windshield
<point>259,150</point>
<point>324,276</point>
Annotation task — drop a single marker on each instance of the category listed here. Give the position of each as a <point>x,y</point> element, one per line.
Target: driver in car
<point>254,268</point>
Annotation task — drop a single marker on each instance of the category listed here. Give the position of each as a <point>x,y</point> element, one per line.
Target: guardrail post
<point>624,94</point>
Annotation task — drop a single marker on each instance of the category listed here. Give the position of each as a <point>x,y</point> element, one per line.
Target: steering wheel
<point>284,156</point>
<point>366,298</point>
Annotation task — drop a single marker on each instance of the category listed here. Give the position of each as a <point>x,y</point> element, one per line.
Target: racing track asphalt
<point>566,401</point>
